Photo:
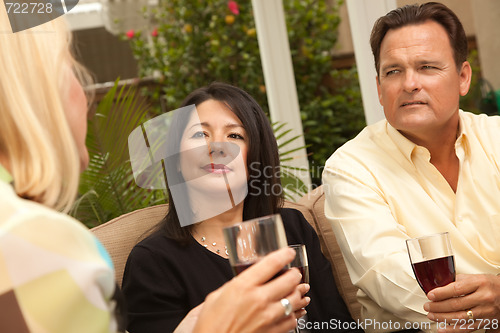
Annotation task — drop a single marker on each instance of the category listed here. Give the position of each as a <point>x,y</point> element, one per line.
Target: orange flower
<point>251,32</point>
<point>229,19</point>
<point>188,28</point>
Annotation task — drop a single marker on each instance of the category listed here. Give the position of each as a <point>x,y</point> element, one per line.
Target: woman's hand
<point>187,324</point>
<point>471,302</point>
<point>251,302</point>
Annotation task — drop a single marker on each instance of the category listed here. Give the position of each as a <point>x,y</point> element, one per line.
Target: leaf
<point>293,185</point>
<point>107,188</point>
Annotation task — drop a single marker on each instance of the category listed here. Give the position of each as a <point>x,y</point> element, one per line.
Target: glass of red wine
<point>300,261</point>
<point>252,240</point>
<point>432,260</point>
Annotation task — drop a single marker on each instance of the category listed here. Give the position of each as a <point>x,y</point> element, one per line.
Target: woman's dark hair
<point>417,14</point>
<point>265,195</point>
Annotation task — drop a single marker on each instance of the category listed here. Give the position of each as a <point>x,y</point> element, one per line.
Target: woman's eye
<point>236,136</point>
<point>198,134</point>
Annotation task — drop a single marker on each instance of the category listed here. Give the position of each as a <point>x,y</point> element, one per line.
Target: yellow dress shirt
<point>381,189</point>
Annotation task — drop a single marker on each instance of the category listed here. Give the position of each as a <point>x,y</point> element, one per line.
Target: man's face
<point>419,85</point>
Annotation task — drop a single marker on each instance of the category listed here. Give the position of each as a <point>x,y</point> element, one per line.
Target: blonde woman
<point>55,277</point>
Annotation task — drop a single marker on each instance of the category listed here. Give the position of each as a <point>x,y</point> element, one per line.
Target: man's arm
<point>372,241</point>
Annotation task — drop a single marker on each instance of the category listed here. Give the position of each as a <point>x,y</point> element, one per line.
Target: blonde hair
<point>35,138</point>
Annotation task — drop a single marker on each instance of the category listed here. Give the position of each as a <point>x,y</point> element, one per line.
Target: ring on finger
<point>287,306</point>
<point>470,315</point>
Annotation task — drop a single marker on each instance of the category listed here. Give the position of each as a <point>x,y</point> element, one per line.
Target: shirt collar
<point>5,175</point>
<point>407,147</point>
<point>404,145</point>
<point>462,135</point>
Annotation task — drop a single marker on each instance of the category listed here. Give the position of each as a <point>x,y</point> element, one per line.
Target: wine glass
<point>300,261</point>
<point>251,240</point>
<point>432,260</point>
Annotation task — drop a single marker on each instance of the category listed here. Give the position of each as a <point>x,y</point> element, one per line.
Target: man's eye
<point>392,72</point>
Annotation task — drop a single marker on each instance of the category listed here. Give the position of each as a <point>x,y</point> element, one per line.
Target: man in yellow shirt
<point>429,167</point>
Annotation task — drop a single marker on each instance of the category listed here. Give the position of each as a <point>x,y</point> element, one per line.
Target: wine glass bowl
<point>251,240</point>
<point>432,260</point>
<point>300,261</point>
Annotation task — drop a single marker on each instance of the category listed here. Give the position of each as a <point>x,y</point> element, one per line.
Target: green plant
<point>107,187</point>
<point>332,118</point>
<point>472,101</point>
<point>293,186</point>
<point>194,42</point>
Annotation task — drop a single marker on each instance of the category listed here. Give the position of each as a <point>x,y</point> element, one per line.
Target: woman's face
<point>214,149</point>
<point>75,107</point>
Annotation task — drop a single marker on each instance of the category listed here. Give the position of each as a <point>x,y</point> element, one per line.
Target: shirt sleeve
<point>371,240</point>
<point>55,276</point>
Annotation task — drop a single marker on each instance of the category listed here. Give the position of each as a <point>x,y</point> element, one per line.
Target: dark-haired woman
<point>223,168</point>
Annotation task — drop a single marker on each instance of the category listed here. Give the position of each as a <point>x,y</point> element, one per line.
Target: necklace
<point>214,245</point>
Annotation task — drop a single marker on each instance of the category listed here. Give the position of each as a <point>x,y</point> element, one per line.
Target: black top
<point>164,280</point>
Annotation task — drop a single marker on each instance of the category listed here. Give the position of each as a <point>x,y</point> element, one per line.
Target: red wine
<point>435,273</point>
<point>239,268</point>
<point>304,270</point>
